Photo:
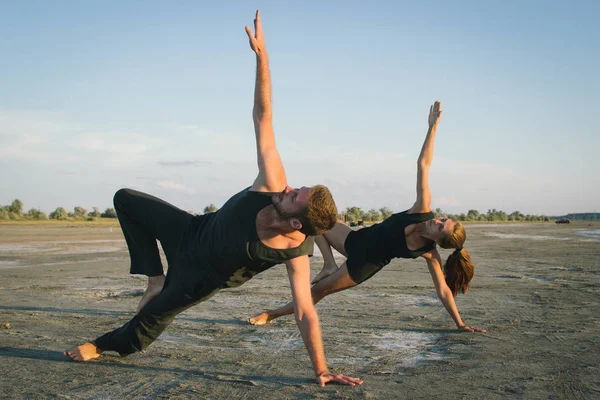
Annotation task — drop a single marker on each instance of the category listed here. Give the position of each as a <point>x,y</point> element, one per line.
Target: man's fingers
<point>257,21</point>
<point>351,379</point>
<point>347,380</point>
<point>340,379</point>
<point>249,32</point>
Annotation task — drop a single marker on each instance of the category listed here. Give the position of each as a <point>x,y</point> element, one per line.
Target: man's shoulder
<point>246,199</point>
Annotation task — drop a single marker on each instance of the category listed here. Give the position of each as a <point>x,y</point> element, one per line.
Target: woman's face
<point>439,228</point>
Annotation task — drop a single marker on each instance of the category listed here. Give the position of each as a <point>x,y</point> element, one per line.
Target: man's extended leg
<point>149,323</point>
<point>144,219</point>
<point>333,283</point>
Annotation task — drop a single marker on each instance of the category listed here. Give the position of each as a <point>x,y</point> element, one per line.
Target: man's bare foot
<point>155,286</point>
<point>327,270</point>
<point>85,352</point>
<point>261,319</point>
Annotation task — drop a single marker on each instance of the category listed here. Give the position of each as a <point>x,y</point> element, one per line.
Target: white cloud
<point>446,201</point>
<point>45,139</point>
<point>116,149</point>
<point>174,186</point>
<point>53,156</point>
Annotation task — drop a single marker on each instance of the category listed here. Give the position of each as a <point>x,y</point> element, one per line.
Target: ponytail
<point>458,268</point>
<point>459,271</point>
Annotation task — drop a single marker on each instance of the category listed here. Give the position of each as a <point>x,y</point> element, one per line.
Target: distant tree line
<point>579,216</point>
<point>494,215</point>
<point>356,214</point>
<point>14,212</point>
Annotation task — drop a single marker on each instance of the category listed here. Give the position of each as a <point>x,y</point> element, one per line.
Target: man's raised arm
<point>271,175</point>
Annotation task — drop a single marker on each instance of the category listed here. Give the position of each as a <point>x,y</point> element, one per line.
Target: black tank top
<point>230,242</point>
<point>379,243</point>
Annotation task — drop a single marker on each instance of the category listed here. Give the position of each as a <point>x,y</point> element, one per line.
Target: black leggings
<point>359,268</point>
<point>144,219</point>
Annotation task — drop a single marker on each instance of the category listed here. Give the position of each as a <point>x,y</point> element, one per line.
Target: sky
<point>157,96</point>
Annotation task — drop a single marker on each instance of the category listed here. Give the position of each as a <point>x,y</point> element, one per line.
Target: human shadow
<point>115,362</point>
<point>66,310</point>
<point>118,314</point>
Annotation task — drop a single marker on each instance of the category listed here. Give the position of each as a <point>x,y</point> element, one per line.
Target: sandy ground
<point>535,290</point>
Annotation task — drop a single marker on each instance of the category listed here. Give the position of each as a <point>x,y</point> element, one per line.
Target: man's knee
<point>120,195</point>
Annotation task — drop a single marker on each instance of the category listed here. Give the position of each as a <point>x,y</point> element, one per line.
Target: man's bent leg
<point>144,219</point>
<point>155,286</point>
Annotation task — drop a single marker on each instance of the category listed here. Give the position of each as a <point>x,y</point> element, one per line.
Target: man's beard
<point>279,209</point>
<point>282,214</point>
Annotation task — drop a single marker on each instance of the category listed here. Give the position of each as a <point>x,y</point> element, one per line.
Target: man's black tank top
<point>229,242</point>
<point>379,243</point>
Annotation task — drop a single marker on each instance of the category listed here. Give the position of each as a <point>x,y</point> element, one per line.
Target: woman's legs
<point>329,264</point>
<point>333,283</point>
<point>335,238</point>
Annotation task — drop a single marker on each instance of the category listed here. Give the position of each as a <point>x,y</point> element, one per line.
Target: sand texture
<point>536,290</point>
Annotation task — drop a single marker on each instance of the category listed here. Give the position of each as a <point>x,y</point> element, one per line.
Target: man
<point>259,227</point>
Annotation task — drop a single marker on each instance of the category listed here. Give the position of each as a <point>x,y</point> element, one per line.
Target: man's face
<point>439,228</point>
<point>291,202</point>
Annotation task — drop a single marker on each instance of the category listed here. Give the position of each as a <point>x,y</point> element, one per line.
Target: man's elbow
<point>260,115</point>
<point>423,165</point>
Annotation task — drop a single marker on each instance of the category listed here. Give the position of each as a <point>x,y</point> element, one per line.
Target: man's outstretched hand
<point>257,40</point>
<point>471,329</point>
<point>324,379</point>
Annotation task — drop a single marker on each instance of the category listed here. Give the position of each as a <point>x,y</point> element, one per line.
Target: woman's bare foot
<point>261,319</point>
<point>155,286</point>
<point>327,270</point>
<point>85,352</point>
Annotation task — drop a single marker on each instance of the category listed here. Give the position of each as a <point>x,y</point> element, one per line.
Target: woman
<point>409,234</point>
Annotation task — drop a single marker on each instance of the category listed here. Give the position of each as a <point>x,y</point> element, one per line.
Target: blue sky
<point>157,96</point>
